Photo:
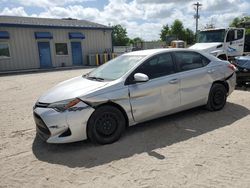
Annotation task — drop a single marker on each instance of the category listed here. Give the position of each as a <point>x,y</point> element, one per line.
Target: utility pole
<point>197,16</point>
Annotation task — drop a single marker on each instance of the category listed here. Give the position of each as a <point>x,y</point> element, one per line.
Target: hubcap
<point>106,125</point>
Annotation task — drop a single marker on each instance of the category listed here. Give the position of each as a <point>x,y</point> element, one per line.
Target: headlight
<point>61,106</point>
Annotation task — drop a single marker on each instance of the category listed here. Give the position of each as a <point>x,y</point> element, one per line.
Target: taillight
<point>232,67</point>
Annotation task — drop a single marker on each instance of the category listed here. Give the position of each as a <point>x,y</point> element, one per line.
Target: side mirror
<point>140,77</point>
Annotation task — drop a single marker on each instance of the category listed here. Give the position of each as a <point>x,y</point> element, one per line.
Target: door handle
<point>210,71</point>
<point>174,81</point>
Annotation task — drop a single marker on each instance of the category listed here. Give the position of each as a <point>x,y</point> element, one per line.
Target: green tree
<point>164,32</point>
<point>239,22</point>
<point>177,29</point>
<point>189,36</point>
<point>135,40</point>
<point>235,23</point>
<point>119,36</point>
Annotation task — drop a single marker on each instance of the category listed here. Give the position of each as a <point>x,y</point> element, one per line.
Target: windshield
<point>115,68</point>
<point>211,36</point>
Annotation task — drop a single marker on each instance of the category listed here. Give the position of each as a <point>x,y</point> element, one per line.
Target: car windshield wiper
<point>95,78</point>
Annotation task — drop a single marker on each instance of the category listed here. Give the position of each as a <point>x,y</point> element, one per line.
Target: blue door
<point>76,48</point>
<point>44,54</point>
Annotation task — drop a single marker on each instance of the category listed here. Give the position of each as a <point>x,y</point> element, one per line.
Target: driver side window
<point>231,35</point>
<point>158,66</point>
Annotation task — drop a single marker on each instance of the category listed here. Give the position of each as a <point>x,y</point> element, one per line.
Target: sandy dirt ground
<point>195,148</point>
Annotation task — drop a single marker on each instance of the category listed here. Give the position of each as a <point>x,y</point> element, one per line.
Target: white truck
<point>224,43</point>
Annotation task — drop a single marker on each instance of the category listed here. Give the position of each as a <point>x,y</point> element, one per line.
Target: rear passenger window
<point>205,61</point>
<point>190,60</point>
<point>160,65</point>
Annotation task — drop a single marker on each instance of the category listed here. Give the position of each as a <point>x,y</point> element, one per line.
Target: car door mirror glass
<point>140,77</point>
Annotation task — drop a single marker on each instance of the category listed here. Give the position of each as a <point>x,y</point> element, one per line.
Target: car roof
<point>158,51</point>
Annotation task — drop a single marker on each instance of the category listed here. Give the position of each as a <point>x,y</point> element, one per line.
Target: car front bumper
<point>62,127</point>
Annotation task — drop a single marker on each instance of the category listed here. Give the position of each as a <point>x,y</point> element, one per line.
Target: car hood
<point>206,47</point>
<point>69,89</point>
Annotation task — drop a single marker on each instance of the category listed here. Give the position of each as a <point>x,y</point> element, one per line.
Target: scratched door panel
<point>154,98</point>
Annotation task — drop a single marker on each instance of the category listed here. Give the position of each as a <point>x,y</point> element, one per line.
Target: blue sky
<point>141,18</point>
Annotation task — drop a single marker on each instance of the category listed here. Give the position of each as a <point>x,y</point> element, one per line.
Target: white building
<point>31,43</point>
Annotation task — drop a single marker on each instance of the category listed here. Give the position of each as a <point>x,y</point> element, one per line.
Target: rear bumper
<point>62,127</point>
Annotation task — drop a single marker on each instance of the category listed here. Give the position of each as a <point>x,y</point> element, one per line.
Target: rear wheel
<point>217,97</point>
<point>106,125</point>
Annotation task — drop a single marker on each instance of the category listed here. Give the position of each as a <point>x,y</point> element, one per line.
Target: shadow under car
<point>144,137</point>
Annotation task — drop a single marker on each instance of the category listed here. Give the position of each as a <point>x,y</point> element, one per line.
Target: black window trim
<point>129,80</point>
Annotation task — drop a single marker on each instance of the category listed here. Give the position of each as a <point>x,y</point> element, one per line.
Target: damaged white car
<point>130,89</point>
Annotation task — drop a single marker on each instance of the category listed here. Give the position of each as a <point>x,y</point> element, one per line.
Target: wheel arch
<point>224,83</point>
<point>113,104</point>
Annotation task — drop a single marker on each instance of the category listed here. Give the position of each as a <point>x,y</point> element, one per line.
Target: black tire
<point>217,97</point>
<point>106,125</point>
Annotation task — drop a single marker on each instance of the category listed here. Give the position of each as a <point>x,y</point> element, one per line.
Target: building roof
<point>16,21</point>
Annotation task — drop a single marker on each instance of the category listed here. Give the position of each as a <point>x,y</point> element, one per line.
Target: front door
<point>44,54</point>
<point>235,42</point>
<point>160,94</point>
<point>76,48</point>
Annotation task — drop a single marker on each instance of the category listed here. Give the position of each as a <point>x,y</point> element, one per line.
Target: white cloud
<point>158,11</point>
<point>120,10</point>
<point>76,11</point>
<point>219,20</point>
<point>18,11</point>
<point>47,3</point>
<point>148,31</point>
<point>162,1</point>
<point>141,18</point>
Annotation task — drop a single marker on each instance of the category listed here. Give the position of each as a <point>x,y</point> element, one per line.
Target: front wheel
<point>217,97</point>
<point>106,125</point>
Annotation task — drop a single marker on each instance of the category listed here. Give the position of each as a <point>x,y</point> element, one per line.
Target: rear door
<point>194,75</point>
<point>160,94</point>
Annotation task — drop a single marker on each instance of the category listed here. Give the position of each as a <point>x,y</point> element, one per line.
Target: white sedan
<point>130,89</point>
